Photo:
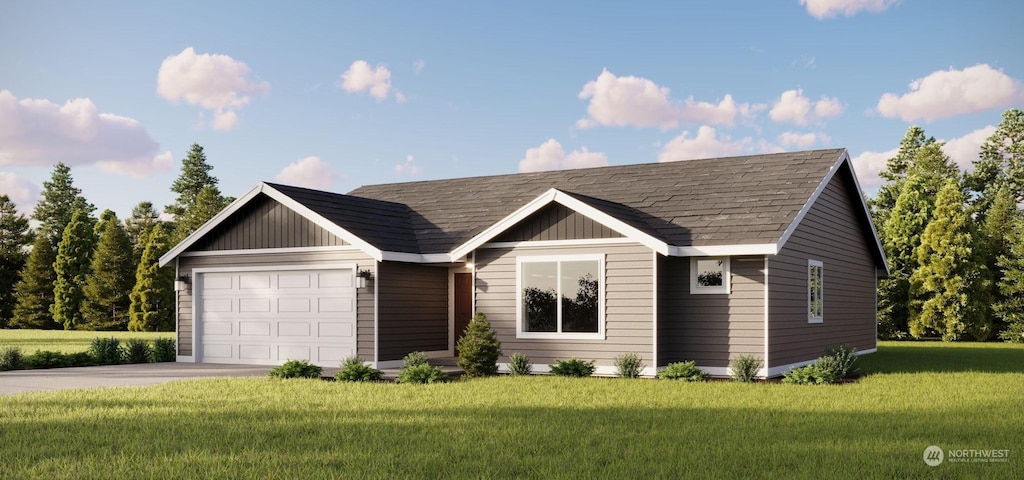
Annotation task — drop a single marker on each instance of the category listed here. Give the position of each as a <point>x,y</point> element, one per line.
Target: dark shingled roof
<point>723,201</point>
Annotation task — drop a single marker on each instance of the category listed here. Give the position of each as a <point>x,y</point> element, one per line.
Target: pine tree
<point>1010,308</point>
<point>195,177</point>
<point>14,237</point>
<point>996,235</point>
<point>479,348</point>
<point>949,290</point>
<point>35,289</point>
<point>60,199</point>
<point>208,204</point>
<point>72,268</point>
<point>896,170</point>
<point>113,276</point>
<point>152,298</point>
<point>143,218</point>
<point>1000,165</point>
<point>101,224</point>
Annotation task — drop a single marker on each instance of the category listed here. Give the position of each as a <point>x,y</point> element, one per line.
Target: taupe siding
<point>364,297</point>
<point>710,329</point>
<point>557,222</point>
<point>413,309</point>
<point>832,234</point>
<point>629,303</point>
<point>265,223</point>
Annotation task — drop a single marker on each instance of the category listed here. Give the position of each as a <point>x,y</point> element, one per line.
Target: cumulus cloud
<point>551,156</point>
<point>792,106</point>
<point>947,93</point>
<point>310,172</point>
<point>821,9</point>
<point>802,140</point>
<point>361,77</point>
<point>868,164</point>
<point>215,82</point>
<point>21,191</point>
<point>408,168</point>
<point>707,143</point>
<point>635,101</point>
<point>37,132</point>
<point>965,150</point>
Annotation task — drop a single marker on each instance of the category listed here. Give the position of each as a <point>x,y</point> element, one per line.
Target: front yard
<point>964,396</point>
<point>66,341</point>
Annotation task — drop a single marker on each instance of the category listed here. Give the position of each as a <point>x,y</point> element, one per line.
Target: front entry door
<point>463,304</point>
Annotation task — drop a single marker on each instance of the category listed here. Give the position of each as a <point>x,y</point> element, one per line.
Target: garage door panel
<point>334,280</point>
<point>332,356</point>
<point>294,305</point>
<point>331,305</point>
<point>218,282</point>
<point>293,352</point>
<point>251,328</point>
<point>216,305</point>
<point>217,328</point>
<point>254,305</point>
<point>287,281</point>
<point>335,329</point>
<point>217,351</point>
<point>254,352</point>
<point>293,329</point>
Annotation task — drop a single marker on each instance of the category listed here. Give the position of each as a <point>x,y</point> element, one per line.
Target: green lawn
<point>965,396</point>
<point>66,341</point>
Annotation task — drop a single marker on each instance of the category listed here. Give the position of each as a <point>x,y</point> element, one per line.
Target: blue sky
<point>334,95</point>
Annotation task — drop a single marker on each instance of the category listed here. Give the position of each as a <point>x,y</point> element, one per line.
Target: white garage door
<point>266,318</point>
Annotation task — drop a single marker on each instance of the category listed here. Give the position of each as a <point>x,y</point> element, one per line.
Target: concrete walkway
<point>19,381</point>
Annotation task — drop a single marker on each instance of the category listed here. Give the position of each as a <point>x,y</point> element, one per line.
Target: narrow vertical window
<point>815,288</point>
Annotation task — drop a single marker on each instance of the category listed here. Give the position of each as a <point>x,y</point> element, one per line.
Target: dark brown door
<point>463,303</point>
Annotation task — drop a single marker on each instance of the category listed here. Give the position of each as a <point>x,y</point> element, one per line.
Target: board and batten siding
<point>629,303</point>
<point>710,329</point>
<point>266,223</point>
<point>413,309</point>
<point>556,222</point>
<point>833,233</point>
<point>325,259</point>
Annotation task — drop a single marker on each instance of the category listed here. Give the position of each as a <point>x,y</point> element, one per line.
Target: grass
<point>912,396</point>
<point>66,341</point>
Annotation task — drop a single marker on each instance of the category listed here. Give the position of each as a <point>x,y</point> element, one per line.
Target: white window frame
<point>722,289</point>
<point>520,317</point>
<point>821,292</point>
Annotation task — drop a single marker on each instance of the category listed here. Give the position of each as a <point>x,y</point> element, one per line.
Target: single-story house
<point>768,255</point>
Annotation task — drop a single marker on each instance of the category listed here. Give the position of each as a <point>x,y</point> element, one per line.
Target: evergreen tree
<point>195,177</point>
<point>72,269</point>
<point>113,276</point>
<point>1000,165</point>
<point>1009,310</point>
<point>14,237</point>
<point>949,290</point>
<point>101,224</point>
<point>896,170</point>
<point>996,235</point>
<point>152,298</point>
<point>143,218</point>
<point>35,289</point>
<point>208,204</point>
<point>60,199</point>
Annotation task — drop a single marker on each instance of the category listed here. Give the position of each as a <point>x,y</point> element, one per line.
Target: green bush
<point>11,359</point>
<point>106,351</point>
<point>572,367</point>
<point>519,364</point>
<point>164,350</point>
<point>479,348</point>
<point>354,370</point>
<point>415,359</point>
<point>685,371</point>
<point>46,359</point>
<point>813,374</point>
<point>295,369</point>
<point>421,373</point>
<point>1013,333</point>
<point>844,360</point>
<point>628,365</point>
<point>79,359</point>
<point>745,368</point>
<point>136,350</point>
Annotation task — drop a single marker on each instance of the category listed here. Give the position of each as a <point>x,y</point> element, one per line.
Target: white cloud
<point>802,140</point>
<point>707,143</point>
<point>310,172</point>
<point>793,106</point>
<point>408,168</point>
<point>868,165</point>
<point>21,190</point>
<point>832,8</point>
<point>965,150</point>
<point>418,65</point>
<point>215,82</point>
<point>361,77</point>
<point>37,132</point>
<point>947,93</point>
<point>551,156</point>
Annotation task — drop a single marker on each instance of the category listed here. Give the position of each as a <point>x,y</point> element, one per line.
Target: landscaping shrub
<point>164,350</point>
<point>745,368</point>
<point>685,371</point>
<point>47,359</point>
<point>421,373</point>
<point>414,359</point>
<point>354,370</point>
<point>813,374</point>
<point>479,348</point>
<point>79,359</point>
<point>11,359</point>
<point>519,364</point>
<point>572,367</point>
<point>628,365</point>
<point>844,363</point>
<point>136,350</point>
<point>106,351</point>
<point>295,369</point>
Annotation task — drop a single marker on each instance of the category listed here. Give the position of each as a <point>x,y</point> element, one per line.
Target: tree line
<point>78,271</point>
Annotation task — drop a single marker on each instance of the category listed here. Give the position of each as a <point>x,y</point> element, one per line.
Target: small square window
<point>815,290</point>
<point>709,275</point>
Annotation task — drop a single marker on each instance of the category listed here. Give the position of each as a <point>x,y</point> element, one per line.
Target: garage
<point>266,317</point>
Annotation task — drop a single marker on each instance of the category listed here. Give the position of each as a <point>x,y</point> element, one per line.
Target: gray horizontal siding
<point>266,223</point>
<point>629,303</point>
<point>413,309</point>
<point>831,233</point>
<point>557,222</point>
<point>710,329</point>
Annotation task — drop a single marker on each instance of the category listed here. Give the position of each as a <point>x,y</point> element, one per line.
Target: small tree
<point>14,237</point>
<point>72,269</point>
<point>1010,309</point>
<point>137,226</point>
<point>479,348</point>
<point>60,199</point>
<point>113,276</point>
<point>152,298</point>
<point>35,289</point>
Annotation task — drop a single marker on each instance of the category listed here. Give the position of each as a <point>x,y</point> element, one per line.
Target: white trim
<point>654,308</point>
<point>724,250</point>
<point>451,310</point>
<point>599,371</point>
<point>558,259</point>
<point>561,243</point>
<point>185,359</point>
<point>866,352</point>
<point>376,314</point>
<point>767,345</point>
<point>812,318</point>
<point>867,212</point>
<point>417,257</point>
<point>268,251</point>
<point>724,289</point>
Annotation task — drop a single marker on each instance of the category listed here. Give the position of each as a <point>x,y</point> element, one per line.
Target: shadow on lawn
<point>920,357</point>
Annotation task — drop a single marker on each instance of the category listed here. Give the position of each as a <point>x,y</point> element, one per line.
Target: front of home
<point>770,255</point>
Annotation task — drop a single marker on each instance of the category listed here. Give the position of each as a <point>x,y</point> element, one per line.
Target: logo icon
<point>933,456</point>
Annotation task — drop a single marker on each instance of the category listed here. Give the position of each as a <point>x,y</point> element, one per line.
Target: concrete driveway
<point>141,374</point>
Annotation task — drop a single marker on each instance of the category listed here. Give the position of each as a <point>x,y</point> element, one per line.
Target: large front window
<point>560,296</point>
